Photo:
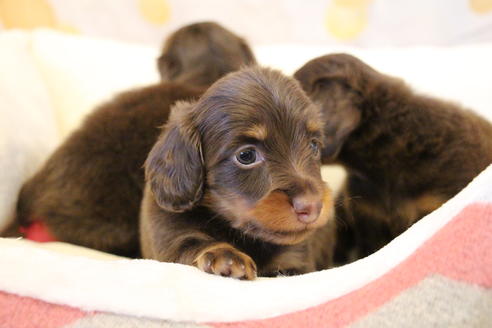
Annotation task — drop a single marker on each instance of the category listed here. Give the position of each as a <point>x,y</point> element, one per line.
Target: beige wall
<point>354,22</point>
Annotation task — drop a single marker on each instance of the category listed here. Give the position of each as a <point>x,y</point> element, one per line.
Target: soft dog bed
<point>438,273</point>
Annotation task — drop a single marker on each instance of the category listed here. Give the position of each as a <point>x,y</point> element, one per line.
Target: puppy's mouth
<point>274,220</point>
<point>282,237</point>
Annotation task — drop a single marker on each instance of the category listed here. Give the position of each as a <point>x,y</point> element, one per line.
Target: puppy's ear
<point>340,107</point>
<point>174,166</point>
<point>346,88</point>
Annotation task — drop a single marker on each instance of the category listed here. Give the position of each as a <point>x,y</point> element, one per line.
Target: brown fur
<point>199,54</point>
<point>201,207</point>
<point>405,153</point>
<point>89,190</point>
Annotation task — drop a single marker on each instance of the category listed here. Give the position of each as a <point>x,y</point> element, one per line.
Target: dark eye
<point>314,144</point>
<point>248,156</point>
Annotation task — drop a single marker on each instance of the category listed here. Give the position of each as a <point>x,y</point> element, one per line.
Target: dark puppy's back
<point>99,168</point>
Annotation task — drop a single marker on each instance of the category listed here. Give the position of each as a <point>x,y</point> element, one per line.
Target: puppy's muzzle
<point>288,219</point>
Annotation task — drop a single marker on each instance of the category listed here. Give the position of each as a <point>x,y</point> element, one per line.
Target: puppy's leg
<point>293,260</point>
<point>322,245</point>
<point>371,233</point>
<point>345,232</point>
<point>195,248</point>
<point>313,254</point>
<point>182,238</point>
<point>365,228</point>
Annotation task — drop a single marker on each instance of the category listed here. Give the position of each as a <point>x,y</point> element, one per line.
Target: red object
<point>37,231</point>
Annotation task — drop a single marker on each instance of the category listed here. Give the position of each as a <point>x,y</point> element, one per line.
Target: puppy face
<point>201,53</point>
<point>249,149</point>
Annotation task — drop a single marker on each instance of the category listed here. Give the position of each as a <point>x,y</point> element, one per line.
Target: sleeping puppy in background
<point>234,184</point>
<point>405,153</point>
<point>200,54</point>
<point>89,190</point>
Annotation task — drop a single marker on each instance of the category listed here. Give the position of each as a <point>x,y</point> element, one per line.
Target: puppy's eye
<point>248,156</point>
<point>314,144</point>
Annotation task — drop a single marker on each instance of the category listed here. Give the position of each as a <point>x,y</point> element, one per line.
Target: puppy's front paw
<point>223,259</point>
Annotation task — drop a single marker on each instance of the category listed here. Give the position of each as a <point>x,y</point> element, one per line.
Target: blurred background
<point>349,22</point>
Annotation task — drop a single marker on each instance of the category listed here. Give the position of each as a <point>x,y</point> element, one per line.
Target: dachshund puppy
<point>89,191</point>
<point>234,184</point>
<point>405,153</point>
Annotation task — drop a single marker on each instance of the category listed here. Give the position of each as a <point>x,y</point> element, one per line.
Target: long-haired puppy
<point>89,190</point>
<point>234,184</point>
<point>200,54</point>
<point>405,153</point>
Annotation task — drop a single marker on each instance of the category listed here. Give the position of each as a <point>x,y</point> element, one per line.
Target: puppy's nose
<point>306,209</point>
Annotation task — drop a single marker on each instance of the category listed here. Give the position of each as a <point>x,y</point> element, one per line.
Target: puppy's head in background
<point>201,53</point>
<point>249,150</point>
<point>342,85</point>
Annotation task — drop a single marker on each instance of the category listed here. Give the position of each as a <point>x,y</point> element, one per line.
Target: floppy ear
<point>343,86</point>
<point>174,166</point>
<point>340,107</point>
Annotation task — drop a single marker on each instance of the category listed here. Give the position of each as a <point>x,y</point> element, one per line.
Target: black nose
<point>306,208</point>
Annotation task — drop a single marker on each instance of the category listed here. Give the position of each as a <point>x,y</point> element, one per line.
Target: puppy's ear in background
<point>174,166</point>
<point>347,90</point>
<point>340,108</point>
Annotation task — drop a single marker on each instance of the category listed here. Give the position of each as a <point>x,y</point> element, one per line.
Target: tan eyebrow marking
<point>314,126</point>
<point>257,131</point>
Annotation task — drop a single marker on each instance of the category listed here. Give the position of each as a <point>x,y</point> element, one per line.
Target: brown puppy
<point>200,54</point>
<point>405,153</point>
<point>89,190</point>
<point>234,184</point>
